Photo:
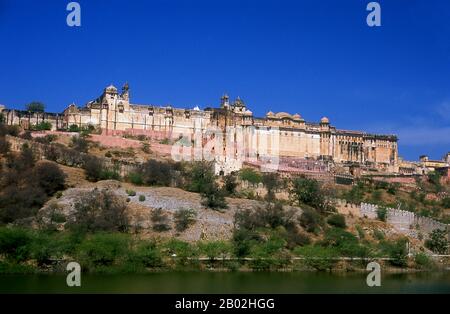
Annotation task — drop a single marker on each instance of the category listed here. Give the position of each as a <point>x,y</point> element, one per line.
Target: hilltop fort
<point>242,138</point>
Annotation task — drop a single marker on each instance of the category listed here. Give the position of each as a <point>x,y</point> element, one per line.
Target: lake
<point>230,282</point>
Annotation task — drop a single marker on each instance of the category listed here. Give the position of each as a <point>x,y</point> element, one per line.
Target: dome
<point>282,115</point>
<point>111,88</point>
<point>270,114</point>
<point>248,112</point>
<point>324,120</point>
<point>297,116</point>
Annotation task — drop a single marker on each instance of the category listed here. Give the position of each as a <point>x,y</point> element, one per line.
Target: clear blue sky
<point>310,57</point>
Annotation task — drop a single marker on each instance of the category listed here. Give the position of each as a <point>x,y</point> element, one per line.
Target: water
<point>238,282</point>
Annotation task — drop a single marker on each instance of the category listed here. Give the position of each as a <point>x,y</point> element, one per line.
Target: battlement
<point>404,221</point>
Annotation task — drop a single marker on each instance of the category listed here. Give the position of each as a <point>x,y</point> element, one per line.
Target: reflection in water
<point>229,282</point>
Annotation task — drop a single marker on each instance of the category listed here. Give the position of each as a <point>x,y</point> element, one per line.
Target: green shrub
<point>103,250</point>
<point>5,146</point>
<point>100,210</point>
<point>356,194</point>
<point>318,257</point>
<point>446,202</point>
<point>46,247</point>
<point>337,220</point>
<point>376,196</point>
<point>393,188</point>
<point>58,217</point>
<point>230,184</point>
<point>296,238</point>
<point>272,182</point>
<point>438,241</point>
<point>250,175</point>
<point>165,141</point>
<point>110,174</point>
<point>160,220</point>
<point>309,192</point>
<point>381,213</point>
<point>201,179</point>
<point>215,249</point>
<point>146,148</point>
<point>243,240</point>
<point>15,243</point>
<point>396,250</point>
<point>74,128</point>
<point>423,261</point>
<point>337,237</point>
<point>43,126</point>
<point>49,177</point>
<point>147,255</point>
<point>135,178</point>
<point>155,172</point>
<point>141,198</point>
<point>93,167</point>
<point>131,192</point>
<point>310,220</point>
<point>269,254</point>
<point>184,218</point>
<point>361,233</point>
<point>378,234</point>
<point>48,139</point>
<point>181,252</point>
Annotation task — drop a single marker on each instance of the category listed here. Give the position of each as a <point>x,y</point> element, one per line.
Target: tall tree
<point>35,107</point>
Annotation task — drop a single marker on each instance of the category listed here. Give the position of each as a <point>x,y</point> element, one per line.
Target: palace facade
<point>281,134</point>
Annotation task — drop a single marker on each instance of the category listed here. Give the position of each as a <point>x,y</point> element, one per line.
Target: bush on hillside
<point>337,220</point>
<point>184,218</point>
<point>100,210</point>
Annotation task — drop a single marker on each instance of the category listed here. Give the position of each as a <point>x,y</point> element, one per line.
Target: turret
<point>125,92</point>
<point>225,101</point>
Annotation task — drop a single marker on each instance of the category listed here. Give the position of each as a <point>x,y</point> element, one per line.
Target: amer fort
<point>232,136</point>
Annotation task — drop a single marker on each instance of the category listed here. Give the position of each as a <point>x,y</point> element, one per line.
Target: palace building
<point>283,135</point>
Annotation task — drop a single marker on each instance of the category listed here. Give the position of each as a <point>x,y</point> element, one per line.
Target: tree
<point>100,210</point>
<point>215,249</point>
<point>200,176</point>
<point>213,197</point>
<point>337,220</point>
<point>35,106</point>
<point>438,241</point>
<point>434,178</point>
<point>230,184</point>
<point>271,182</point>
<point>310,220</point>
<point>93,168</point>
<point>274,215</point>
<point>250,175</point>
<point>156,173</point>
<point>308,191</point>
<point>49,177</point>
<point>202,180</point>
